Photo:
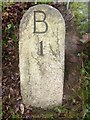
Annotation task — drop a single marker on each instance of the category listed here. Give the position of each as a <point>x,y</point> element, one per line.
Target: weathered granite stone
<point>41,56</point>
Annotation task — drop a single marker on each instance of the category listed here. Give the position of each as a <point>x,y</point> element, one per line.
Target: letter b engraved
<point>43,20</point>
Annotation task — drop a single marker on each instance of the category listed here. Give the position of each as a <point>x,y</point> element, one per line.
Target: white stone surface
<point>42,76</point>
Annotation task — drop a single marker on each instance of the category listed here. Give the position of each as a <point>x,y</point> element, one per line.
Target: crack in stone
<point>29,76</point>
<point>57,41</point>
<point>52,51</point>
<point>37,44</point>
<point>28,69</point>
<point>38,62</point>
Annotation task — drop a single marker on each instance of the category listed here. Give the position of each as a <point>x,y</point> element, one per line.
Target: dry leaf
<point>22,108</point>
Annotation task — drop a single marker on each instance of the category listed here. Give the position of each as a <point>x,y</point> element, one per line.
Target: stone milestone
<point>41,56</point>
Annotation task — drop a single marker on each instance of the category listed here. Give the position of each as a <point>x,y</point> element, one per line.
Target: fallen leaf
<point>22,108</point>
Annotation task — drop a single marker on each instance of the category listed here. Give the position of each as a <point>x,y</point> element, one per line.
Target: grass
<point>0,110</point>
<point>80,11</point>
<point>43,1</point>
<point>85,89</point>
